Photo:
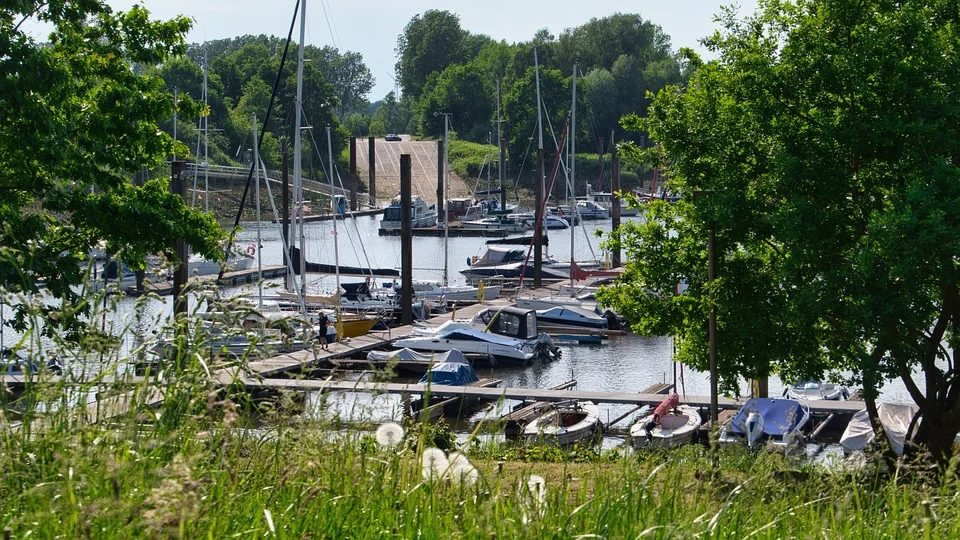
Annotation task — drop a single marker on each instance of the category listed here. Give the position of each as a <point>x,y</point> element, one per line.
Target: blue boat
<point>776,421</point>
<point>451,374</point>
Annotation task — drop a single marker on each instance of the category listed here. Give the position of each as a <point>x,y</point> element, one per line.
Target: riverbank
<point>202,467</point>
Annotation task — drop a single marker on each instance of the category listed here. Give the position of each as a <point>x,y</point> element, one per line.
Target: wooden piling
<point>372,170</point>
<point>406,241</point>
<point>353,174</point>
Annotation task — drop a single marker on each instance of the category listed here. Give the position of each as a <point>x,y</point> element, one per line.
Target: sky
<point>371,27</point>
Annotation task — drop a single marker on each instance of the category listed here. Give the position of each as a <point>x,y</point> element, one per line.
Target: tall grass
<point>199,466</point>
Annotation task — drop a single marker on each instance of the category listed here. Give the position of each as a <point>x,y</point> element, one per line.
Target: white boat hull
<point>674,429</point>
<point>565,425</point>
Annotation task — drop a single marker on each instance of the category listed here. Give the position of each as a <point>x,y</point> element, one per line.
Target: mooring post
<point>538,233</point>
<point>440,167</point>
<point>353,174</point>
<point>615,205</point>
<point>178,187</point>
<point>372,170</point>
<point>406,241</point>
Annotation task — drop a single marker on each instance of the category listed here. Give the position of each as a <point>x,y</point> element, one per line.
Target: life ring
<point>251,249</point>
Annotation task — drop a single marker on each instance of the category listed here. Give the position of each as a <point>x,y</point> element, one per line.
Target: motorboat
<point>434,290</point>
<point>14,362</point>
<point>510,262</point>
<point>197,265</point>
<point>421,215</point>
<point>564,423</point>
<point>774,420</point>
<point>411,361</point>
<point>506,335</point>
<point>895,419</point>
<point>572,316</point>
<point>605,199</point>
<point>669,425</point>
<point>591,210</point>
<point>450,374</point>
<point>814,390</point>
<point>502,224</point>
<point>550,221</point>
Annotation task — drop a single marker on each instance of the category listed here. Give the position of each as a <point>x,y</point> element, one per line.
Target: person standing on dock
<point>324,322</point>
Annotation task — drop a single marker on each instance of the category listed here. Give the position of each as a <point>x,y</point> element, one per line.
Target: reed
<point>203,466</point>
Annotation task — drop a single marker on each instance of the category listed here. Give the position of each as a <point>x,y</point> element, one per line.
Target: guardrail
<point>273,176</point>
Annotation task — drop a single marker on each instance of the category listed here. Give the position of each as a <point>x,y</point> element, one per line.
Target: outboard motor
<point>613,322</point>
<point>649,427</point>
<point>754,428</point>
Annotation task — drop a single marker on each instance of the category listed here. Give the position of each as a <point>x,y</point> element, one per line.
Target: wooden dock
<point>229,279</point>
<point>453,230</point>
<point>449,405</point>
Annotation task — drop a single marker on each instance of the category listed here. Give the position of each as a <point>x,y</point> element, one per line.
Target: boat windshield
<point>391,213</point>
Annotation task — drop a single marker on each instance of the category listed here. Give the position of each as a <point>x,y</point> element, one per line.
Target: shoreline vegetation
<point>219,463</point>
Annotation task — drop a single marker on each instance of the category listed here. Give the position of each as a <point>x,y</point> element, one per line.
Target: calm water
<point>621,364</point>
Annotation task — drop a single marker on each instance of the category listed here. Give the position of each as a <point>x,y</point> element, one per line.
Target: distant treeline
<point>443,67</point>
<point>620,60</point>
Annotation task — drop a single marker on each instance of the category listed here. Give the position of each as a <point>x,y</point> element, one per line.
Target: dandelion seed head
<point>435,464</point>
<point>537,487</point>
<point>458,461</point>
<point>466,475</point>
<point>389,435</point>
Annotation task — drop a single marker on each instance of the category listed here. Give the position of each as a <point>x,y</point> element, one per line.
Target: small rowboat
<point>564,423</point>
<point>665,428</point>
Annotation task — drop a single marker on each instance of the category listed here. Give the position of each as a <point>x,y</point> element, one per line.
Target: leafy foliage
<point>828,138</point>
<point>78,120</point>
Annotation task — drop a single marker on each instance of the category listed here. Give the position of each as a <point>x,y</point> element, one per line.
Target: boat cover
<point>895,418</point>
<point>453,356</point>
<point>450,374</point>
<point>780,416</point>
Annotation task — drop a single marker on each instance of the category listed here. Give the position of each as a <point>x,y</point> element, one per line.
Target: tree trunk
<point>936,433</point>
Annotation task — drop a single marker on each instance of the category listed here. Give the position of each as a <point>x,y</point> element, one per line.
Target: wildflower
<point>466,475</point>
<point>434,463</point>
<point>537,487</point>
<point>389,435</point>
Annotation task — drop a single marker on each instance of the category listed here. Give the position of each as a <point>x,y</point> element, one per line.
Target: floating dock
<point>229,279</point>
<point>453,230</point>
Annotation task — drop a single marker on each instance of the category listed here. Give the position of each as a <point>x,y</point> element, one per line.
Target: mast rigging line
<point>566,176</point>
<point>263,131</point>
<point>333,168</point>
<point>543,205</point>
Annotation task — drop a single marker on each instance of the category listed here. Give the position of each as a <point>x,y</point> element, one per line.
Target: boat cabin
<point>512,322</point>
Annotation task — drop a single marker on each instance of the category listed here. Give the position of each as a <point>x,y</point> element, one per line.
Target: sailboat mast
<point>499,149</point>
<point>297,158</point>
<point>446,197</point>
<point>206,140</point>
<point>333,206</point>
<point>256,165</point>
<point>573,167</point>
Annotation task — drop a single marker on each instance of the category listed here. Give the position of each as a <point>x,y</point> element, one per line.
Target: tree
<point>350,77</point>
<point>77,122</point>
<point>828,137</point>
<point>391,116</point>
<point>463,91</point>
<point>428,44</point>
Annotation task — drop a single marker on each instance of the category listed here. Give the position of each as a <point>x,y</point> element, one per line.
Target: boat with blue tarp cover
<point>776,421</point>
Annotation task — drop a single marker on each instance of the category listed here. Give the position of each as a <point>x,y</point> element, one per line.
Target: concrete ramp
<point>423,168</point>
